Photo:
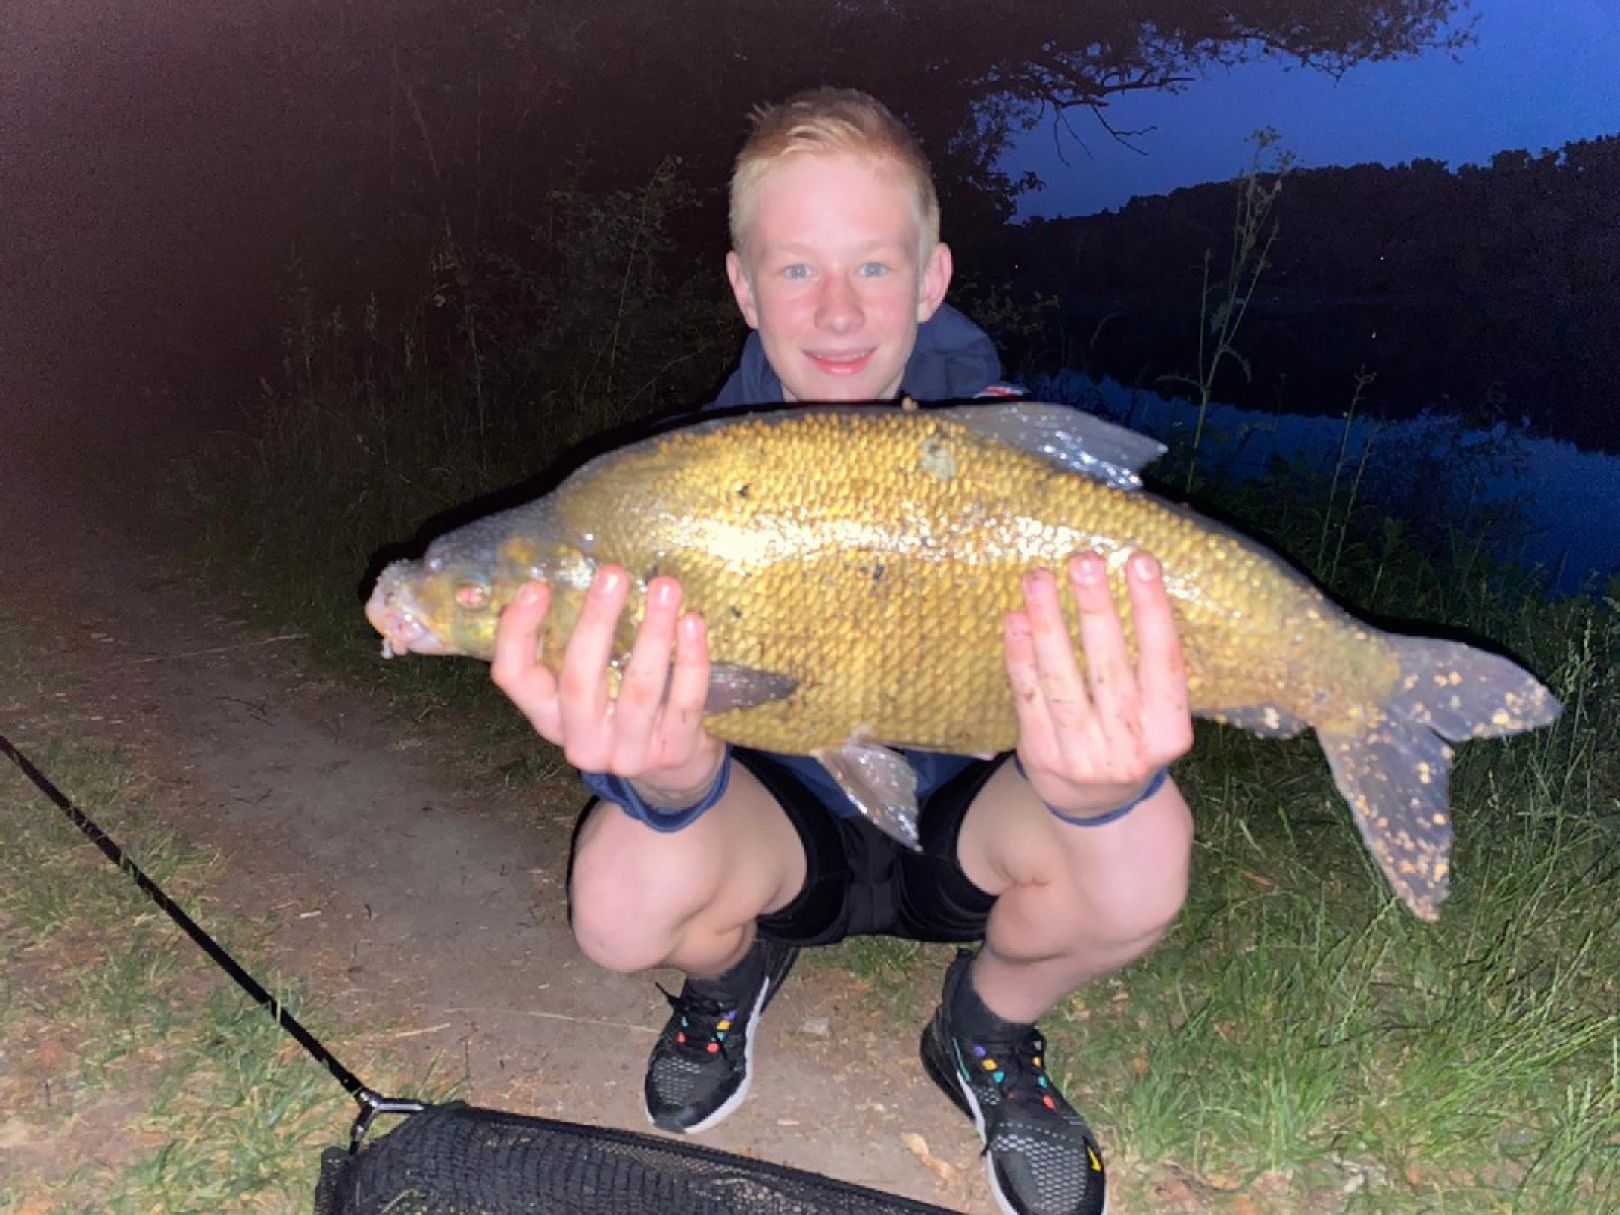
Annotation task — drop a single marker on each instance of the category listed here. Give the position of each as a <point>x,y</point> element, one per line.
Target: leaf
<point>918,1146</point>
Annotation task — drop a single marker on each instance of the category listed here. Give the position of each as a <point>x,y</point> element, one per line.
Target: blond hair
<point>821,122</point>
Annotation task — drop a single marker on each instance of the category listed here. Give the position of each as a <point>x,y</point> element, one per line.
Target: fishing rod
<point>370,1101</point>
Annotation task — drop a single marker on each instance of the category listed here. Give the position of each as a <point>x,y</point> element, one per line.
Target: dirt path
<point>403,898</point>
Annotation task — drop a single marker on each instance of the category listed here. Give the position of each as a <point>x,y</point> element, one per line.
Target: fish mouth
<point>393,612</point>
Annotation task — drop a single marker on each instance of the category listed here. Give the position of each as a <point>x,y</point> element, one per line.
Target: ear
<point>935,279</point>
<point>742,288</point>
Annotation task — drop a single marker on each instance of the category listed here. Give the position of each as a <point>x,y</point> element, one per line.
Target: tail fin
<point>1395,773</point>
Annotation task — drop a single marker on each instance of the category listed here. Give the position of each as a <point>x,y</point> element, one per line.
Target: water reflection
<point>1563,503</point>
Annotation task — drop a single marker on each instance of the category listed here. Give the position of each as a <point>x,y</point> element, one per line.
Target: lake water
<point>1568,515</point>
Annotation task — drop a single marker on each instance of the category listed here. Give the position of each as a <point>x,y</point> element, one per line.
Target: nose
<point>838,305</point>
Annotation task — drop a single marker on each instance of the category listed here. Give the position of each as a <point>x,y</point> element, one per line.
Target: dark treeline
<point>474,122</point>
<point>496,132</point>
<point>1488,291</point>
<point>533,191</point>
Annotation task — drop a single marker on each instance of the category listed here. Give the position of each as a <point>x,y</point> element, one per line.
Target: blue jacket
<point>953,360</point>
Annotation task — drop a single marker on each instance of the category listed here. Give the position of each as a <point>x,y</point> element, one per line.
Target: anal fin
<point>882,785</point>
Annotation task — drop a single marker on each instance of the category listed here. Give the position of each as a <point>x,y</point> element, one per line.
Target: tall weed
<point>388,412</point>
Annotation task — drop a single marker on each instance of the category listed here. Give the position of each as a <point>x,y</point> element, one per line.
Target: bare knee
<point>632,892</point>
<point>689,898</point>
<point>1100,896</point>
<point>1139,898</point>
<point>1142,912</point>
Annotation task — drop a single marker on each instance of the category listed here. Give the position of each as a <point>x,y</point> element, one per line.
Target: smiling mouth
<point>842,363</point>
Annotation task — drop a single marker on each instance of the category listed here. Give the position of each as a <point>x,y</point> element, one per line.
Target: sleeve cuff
<point>1107,816</point>
<point>622,793</point>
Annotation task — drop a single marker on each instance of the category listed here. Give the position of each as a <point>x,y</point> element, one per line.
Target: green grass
<point>105,1005</point>
<point>1301,1037</point>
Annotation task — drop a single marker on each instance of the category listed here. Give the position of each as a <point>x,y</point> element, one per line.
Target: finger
<point>689,682</point>
<point>514,664</point>
<point>1034,722</point>
<point>646,676</point>
<point>1062,686</point>
<point>517,633</point>
<point>1161,667</point>
<point>583,686</point>
<point>1111,679</point>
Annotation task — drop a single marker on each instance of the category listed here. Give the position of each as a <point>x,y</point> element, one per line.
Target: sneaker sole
<point>729,1106</point>
<point>961,1095</point>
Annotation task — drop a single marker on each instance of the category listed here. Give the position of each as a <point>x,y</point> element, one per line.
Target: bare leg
<point>1074,903</point>
<point>688,899</point>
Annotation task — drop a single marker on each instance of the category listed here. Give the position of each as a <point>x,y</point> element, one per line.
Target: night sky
<point>1541,73</point>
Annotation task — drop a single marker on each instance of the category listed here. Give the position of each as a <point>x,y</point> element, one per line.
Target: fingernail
<point>529,595</point>
<point>1086,568</point>
<point>1145,567</point>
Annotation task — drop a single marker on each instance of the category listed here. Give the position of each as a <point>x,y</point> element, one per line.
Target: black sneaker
<point>701,1064</point>
<point>1041,1157</point>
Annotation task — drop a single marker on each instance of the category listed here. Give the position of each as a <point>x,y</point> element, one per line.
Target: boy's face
<point>830,277</point>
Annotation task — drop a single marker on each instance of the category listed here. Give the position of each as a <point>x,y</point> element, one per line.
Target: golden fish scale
<point>895,541</point>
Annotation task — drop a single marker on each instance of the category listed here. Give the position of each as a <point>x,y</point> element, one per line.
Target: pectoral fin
<point>882,785</point>
<point>733,687</point>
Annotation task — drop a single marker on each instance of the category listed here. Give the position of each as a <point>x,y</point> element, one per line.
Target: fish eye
<point>472,595</point>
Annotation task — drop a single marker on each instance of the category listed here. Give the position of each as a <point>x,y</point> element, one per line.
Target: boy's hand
<point>652,733</point>
<point>1089,742</point>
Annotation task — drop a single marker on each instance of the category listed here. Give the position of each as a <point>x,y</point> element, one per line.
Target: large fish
<point>854,562</point>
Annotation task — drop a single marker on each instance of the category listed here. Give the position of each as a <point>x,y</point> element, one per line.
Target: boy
<point>1068,862</point>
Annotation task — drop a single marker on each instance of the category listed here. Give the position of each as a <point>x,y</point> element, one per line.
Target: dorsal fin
<point>1068,437</point>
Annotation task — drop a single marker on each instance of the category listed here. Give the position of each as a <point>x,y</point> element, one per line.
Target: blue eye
<point>873,270</point>
<point>798,270</point>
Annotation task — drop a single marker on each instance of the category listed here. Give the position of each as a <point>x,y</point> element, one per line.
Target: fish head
<point>420,609</point>
<point>450,600</point>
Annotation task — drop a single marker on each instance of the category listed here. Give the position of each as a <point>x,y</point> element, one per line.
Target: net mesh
<point>457,1159</point>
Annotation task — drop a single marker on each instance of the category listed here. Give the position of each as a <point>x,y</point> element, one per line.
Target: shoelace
<point>706,1022</point>
<point>1017,1066</point>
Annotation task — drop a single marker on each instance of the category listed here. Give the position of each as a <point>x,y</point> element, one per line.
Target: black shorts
<point>860,882</point>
